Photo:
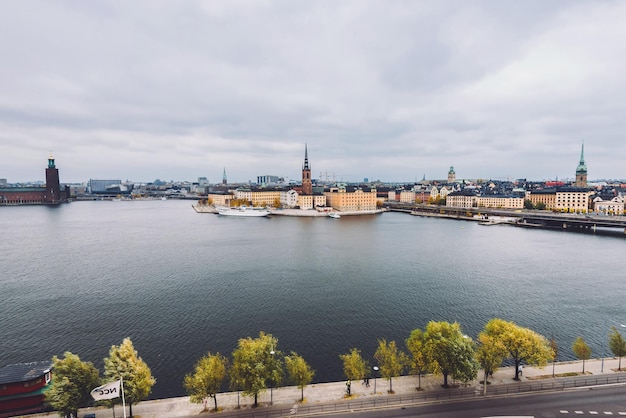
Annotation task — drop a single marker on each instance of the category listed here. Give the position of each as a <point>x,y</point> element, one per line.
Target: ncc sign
<point>108,391</point>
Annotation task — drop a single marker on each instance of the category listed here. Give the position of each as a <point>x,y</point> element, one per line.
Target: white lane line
<point>593,412</point>
<point>563,411</point>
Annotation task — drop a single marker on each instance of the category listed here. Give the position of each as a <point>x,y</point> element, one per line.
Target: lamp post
<point>375,373</point>
<point>272,379</point>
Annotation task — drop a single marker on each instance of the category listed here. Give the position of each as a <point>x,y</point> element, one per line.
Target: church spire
<point>306,158</point>
<point>224,180</point>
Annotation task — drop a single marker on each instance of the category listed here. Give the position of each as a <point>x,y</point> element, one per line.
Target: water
<point>83,276</point>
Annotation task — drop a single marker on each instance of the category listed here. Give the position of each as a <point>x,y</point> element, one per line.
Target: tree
<point>490,355</point>
<point>299,372</point>
<point>124,363</point>
<point>72,384</point>
<point>207,379</point>
<point>354,367</point>
<point>418,362</point>
<point>522,344</point>
<point>528,204</point>
<point>256,364</point>
<point>617,345</point>
<point>581,350</point>
<point>449,352</point>
<point>555,352</point>
<point>391,361</point>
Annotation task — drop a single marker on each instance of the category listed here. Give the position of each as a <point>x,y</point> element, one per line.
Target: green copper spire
<point>582,168</point>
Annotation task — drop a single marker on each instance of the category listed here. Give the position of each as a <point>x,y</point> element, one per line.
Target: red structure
<point>51,194</point>
<point>22,388</point>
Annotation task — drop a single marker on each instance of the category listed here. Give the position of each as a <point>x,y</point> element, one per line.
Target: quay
<point>321,398</point>
<point>523,218</point>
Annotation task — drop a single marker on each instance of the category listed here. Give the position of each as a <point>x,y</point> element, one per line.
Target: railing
<point>433,396</point>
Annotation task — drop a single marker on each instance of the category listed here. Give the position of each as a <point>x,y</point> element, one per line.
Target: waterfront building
<point>499,201</point>
<point>614,206</point>
<point>407,196</point>
<point>461,199</point>
<point>22,387</point>
<point>311,201</point>
<point>220,198</point>
<point>50,194</point>
<point>351,199</point>
<point>289,198</point>
<point>581,170</point>
<point>563,199</point>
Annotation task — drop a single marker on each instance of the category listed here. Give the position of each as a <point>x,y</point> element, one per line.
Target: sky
<point>385,90</point>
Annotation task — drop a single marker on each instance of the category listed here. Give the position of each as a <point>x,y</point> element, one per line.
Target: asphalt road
<point>583,402</point>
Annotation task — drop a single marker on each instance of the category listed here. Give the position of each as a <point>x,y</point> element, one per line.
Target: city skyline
<point>389,91</point>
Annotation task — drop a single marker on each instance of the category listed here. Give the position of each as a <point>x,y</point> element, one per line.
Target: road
<point>582,402</point>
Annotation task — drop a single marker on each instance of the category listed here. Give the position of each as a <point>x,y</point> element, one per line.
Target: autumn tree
<point>418,361</point>
<point>617,345</point>
<point>299,372</point>
<point>522,344</point>
<point>490,355</point>
<point>581,350</point>
<point>450,352</point>
<point>354,367</point>
<point>124,363</point>
<point>73,381</point>
<point>256,365</point>
<point>207,379</point>
<point>391,361</point>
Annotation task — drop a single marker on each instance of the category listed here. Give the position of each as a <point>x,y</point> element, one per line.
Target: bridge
<point>525,218</point>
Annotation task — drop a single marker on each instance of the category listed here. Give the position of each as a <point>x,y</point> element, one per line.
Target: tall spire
<point>224,181</point>
<point>582,154</point>
<point>306,158</point>
<point>307,183</point>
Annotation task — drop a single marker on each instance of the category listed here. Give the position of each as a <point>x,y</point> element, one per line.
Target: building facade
<point>351,199</point>
<point>50,194</point>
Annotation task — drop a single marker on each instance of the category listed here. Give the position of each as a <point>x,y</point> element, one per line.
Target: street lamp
<point>272,352</point>
<point>375,373</point>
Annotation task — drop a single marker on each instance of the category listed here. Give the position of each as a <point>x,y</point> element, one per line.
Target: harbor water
<point>82,276</point>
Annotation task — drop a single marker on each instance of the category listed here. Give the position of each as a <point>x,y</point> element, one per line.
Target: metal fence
<point>431,396</point>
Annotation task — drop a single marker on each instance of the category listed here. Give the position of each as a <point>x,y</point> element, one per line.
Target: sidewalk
<point>335,391</point>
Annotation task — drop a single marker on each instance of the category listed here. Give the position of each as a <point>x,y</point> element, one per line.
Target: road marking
<point>608,413</point>
<point>579,412</point>
<point>563,411</point>
<point>593,412</point>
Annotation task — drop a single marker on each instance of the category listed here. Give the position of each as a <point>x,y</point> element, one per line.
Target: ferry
<point>334,215</point>
<point>243,211</point>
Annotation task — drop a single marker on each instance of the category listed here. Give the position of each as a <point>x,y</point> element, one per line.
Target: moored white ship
<point>243,211</point>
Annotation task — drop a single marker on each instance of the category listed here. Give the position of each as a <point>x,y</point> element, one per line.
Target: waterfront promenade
<point>322,397</point>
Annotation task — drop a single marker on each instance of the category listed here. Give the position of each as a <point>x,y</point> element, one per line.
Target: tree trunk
<point>516,370</point>
<point>302,394</point>
<point>130,409</point>
<point>485,383</point>
<point>445,379</point>
<point>215,401</point>
<point>419,380</point>
<point>583,366</point>
<point>256,395</point>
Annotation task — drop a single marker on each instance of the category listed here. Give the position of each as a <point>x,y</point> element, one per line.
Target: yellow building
<point>565,199</point>
<point>220,199</point>
<point>311,201</point>
<point>499,201</point>
<point>351,199</point>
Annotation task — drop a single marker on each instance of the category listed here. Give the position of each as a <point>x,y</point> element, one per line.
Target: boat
<point>243,211</point>
<point>334,215</point>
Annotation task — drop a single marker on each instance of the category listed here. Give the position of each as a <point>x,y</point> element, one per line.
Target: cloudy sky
<point>389,90</point>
